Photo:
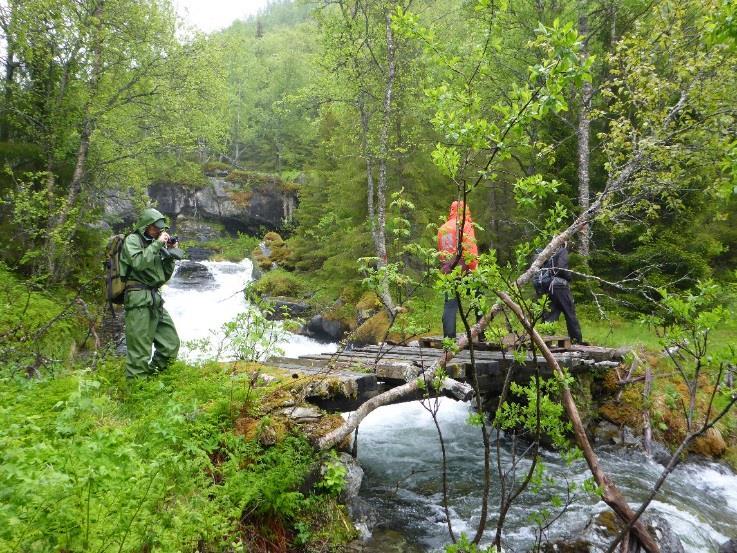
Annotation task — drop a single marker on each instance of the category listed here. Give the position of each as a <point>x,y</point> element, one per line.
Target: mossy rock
<point>281,283</point>
<point>709,444</point>
<point>621,414</point>
<point>258,257</point>
<point>371,331</point>
<point>267,431</point>
<point>369,300</point>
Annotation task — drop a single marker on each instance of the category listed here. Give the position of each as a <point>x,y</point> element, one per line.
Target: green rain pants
<point>147,323</point>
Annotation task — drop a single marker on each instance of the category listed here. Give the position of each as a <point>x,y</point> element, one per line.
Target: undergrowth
<point>90,462</point>
<point>232,248</point>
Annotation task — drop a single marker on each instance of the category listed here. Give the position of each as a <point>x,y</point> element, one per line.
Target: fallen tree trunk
<point>610,493</point>
<point>459,390</point>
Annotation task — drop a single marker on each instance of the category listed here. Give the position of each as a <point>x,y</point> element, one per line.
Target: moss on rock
<point>710,444</point>
<point>373,330</point>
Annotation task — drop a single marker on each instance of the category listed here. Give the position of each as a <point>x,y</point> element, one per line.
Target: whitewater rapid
<point>399,450</point>
<point>200,311</point>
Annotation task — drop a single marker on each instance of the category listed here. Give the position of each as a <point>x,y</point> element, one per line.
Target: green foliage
<point>250,336</point>
<point>333,480</point>
<point>464,545</point>
<point>114,97</point>
<point>90,460</point>
<point>38,331</point>
<point>231,248</point>
<point>538,406</point>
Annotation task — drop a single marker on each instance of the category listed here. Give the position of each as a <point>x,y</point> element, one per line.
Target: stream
<point>399,451</point>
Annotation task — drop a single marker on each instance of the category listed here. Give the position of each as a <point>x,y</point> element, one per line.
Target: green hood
<point>148,217</point>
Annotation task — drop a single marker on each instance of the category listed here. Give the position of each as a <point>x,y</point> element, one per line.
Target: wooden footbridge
<point>344,380</point>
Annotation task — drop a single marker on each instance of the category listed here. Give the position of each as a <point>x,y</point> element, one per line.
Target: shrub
<point>233,249</point>
<point>279,282</point>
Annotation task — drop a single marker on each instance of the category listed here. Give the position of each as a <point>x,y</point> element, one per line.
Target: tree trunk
<point>610,493</point>
<point>75,186</point>
<point>583,132</point>
<point>380,228</point>
<point>10,66</point>
<point>647,432</point>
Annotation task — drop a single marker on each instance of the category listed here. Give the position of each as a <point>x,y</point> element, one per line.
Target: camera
<point>172,240</point>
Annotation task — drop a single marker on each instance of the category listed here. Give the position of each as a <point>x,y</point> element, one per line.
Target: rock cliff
<point>236,201</point>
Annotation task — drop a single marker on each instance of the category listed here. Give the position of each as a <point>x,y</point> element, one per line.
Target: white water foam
<point>198,312</point>
<point>398,448</point>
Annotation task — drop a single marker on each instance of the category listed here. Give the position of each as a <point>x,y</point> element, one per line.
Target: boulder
<point>371,331</point>
<point>353,478</point>
<point>729,546</point>
<point>605,433</point>
<point>191,274</point>
<point>710,444</point>
<point>666,538</point>
<point>323,329</point>
<point>286,308</point>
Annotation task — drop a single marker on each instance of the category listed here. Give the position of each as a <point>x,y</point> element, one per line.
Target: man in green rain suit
<point>146,263</point>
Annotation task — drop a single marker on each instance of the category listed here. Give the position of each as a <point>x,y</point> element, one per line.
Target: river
<point>398,449</point>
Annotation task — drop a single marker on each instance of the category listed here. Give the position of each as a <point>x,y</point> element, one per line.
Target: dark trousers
<point>450,311</point>
<point>561,301</point>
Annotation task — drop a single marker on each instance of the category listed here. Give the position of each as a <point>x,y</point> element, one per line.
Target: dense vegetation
<point>378,113</point>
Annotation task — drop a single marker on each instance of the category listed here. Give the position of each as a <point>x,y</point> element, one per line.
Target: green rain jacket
<point>144,261</point>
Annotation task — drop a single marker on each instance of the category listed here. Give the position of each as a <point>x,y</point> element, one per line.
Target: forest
<point>313,152</point>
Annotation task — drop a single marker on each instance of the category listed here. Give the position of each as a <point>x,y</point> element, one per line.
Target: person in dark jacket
<point>561,299</point>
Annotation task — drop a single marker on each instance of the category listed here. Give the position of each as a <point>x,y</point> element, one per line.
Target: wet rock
<point>286,308</point>
<point>629,438</point>
<point>605,433</point>
<point>660,453</point>
<point>191,274</point>
<point>364,516</point>
<point>198,254</point>
<point>323,329</point>
<point>666,538</point>
<point>353,478</point>
<point>383,540</point>
<point>563,546</point>
<point>729,546</point>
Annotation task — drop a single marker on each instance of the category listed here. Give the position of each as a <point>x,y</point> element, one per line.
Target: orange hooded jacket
<point>448,240</point>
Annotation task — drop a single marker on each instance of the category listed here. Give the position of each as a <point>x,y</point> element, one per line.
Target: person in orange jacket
<point>448,248</point>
